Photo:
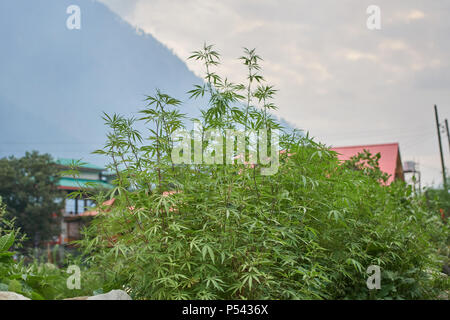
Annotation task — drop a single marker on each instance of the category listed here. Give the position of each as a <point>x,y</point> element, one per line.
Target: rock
<point>112,295</point>
<point>8,295</point>
<point>77,298</point>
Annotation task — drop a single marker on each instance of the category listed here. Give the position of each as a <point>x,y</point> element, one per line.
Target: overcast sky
<point>344,83</point>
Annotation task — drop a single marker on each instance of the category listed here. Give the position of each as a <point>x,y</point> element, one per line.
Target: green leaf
<point>7,241</point>
<point>15,286</point>
<point>36,296</point>
<point>4,287</point>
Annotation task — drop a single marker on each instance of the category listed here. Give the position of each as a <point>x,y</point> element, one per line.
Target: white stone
<point>8,295</point>
<point>112,295</point>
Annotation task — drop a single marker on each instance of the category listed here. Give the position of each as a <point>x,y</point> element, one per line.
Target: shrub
<point>228,232</point>
<point>36,280</point>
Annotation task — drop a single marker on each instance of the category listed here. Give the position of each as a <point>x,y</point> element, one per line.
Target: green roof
<point>69,162</point>
<point>82,183</point>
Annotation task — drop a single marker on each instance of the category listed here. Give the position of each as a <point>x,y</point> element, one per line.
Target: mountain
<point>55,82</point>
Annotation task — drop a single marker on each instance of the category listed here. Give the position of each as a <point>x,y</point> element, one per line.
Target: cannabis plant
<point>208,230</point>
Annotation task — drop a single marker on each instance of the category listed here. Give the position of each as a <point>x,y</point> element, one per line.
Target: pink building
<point>390,161</point>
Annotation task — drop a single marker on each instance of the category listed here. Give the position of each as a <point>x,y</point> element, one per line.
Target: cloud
<point>415,15</point>
<point>333,74</point>
<point>354,55</point>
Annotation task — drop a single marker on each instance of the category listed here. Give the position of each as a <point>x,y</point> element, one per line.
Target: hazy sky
<point>344,83</point>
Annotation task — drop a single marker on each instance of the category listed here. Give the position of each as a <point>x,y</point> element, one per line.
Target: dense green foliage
<point>28,188</point>
<point>36,279</point>
<point>33,281</point>
<point>225,231</point>
<point>439,199</point>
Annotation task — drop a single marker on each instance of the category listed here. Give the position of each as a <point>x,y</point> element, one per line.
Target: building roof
<point>75,184</point>
<point>69,162</point>
<point>390,161</point>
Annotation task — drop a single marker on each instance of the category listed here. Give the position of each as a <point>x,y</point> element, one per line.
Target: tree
<point>28,188</point>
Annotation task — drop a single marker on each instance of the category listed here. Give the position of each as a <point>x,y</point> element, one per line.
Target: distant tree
<point>28,188</point>
<point>369,164</point>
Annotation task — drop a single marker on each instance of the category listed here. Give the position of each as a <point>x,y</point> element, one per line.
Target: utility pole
<point>440,148</point>
<point>448,134</point>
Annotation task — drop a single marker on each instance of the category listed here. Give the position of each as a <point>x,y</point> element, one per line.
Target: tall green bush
<point>227,232</point>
